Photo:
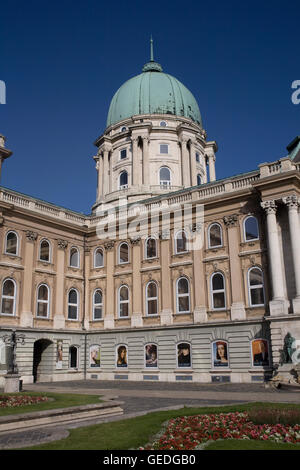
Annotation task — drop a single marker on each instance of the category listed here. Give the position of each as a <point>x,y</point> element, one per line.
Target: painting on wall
<point>151,355</point>
<point>122,356</point>
<point>95,355</point>
<point>220,354</point>
<point>184,355</point>
<point>59,354</point>
<point>260,352</point>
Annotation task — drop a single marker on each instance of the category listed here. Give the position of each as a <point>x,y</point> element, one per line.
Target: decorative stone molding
<point>31,236</point>
<point>135,241</point>
<point>291,201</point>
<point>62,244</point>
<point>269,206</point>
<point>196,227</point>
<point>231,220</point>
<point>203,134</point>
<point>164,235</point>
<point>109,245</point>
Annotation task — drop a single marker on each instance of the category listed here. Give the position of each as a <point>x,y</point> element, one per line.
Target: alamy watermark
<point>2,92</point>
<point>296,95</point>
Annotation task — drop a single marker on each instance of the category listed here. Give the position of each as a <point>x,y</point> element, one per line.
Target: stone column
<point>59,317</point>
<point>88,315</point>
<point>292,203</point>
<point>166,317</point>
<point>26,318</point>
<point>193,164</point>
<point>105,172</point>
<point>200,312</point>
<point>238,311</point>
<point>185,167</point>
<point>135,162</point>
<point>146,167</point>
<point>212,169</point>
<point>279,304</point>
<point>137,315</point>
<point>99,167</point>
<point>110,298</point>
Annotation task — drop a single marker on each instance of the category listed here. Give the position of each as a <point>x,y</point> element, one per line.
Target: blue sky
<point>62,61</point>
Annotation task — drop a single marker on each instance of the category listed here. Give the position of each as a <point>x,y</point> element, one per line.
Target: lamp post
<point>12,376</point>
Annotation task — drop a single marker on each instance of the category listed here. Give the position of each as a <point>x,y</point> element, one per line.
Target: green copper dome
<point>153,92</point>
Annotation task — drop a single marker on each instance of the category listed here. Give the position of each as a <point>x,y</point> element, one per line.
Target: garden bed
<point>13,401</point>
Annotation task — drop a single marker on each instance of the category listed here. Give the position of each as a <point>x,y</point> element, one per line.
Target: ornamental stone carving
<point>269,206</point>
<point>109,245</point>
<point>135,241</point>
<point>291,201</point>
<point>31,236</point>
<point>231,220</point>
<point>62,244</point>
<point>195,227</point>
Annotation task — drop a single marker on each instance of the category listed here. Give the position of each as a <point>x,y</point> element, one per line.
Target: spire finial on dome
<point>151,50</point>
<point>152,66</point>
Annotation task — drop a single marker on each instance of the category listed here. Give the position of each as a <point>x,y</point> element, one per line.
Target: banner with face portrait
<point>59,354</point>
<point>122,356</point>
<point>95,355</point>
<point>220,354</point>
<point>260,352</point>
<point>184,355</point>
<point>151,355</point>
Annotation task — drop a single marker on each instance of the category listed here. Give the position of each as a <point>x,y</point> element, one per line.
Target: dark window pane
<point>219,300</point>
<point>98,297</point>
<point>73,356</point>
<point>255,277</point>
<point>123,153</point>
<point>7,306</point>
<point>183,304</point>
<point>257,296</point>
<point>43,293</point>
<point>183,286</point>
<point>215,236</point>
<point>74,258</point>
<point>124,178</point>
<point>124,310</point>
<point>97,313</point>
<point>99,258</point>
<point>152,290</point>
<point>72,312</point>
<point>251,228</point>
<point>45,251</point>
<point>73,297</point>
<point>164,148</point>
<point>11,243</point>
<point>181,243</point>
<point>42,309</point>
<point>218,282</point>
<point>124,253</point>
<point>152,307</point>
<point>151,248</point>
<point>9,288</point>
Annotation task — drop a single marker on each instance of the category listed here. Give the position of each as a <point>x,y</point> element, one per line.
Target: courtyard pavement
<point>140,398</point>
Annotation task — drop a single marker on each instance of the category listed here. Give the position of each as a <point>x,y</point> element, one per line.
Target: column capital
<point>269,206</point>
<point>109,245</point>
<point>291,201</point>
<point>135,241</point>
<point>231,220</point>
<point>31,236</point>
<point>62,244</point>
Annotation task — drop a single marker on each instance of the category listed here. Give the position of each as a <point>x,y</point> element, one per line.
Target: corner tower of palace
<point>154,141</point>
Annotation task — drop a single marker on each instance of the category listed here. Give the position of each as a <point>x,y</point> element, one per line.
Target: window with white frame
<point>97,305</point>
<point>11,243</point>
<point>183,295</point>
<point>123,129</point>
<point>98,258</point>
<point>73,304</point>
<point>181,243</point>
<point>74,257</point>
<point>45,251</point>
<point>151,298</point>
<point>218,291</point>
<point>8,297</point>
<point>123,253</point>
<point>123,301</point>
<point>151,249</point>
<point>256,287</point>
<point>164,149</point>
<point>164,176</point>
<point>163,124</point>
<point>215,236</point>
<point>123,154</point>
<point>123,180</point>
<point>73,357</point>
<point>251,229</point>
<point>42,308</point>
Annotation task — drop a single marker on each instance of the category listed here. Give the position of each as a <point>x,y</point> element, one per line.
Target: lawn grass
<point>135,432</point>
<point>60,400</point>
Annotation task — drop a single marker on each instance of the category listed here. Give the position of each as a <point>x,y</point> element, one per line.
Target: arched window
<point>73,357</point>
<point>198,179</point>
<point>164,176</point>
<point>123,253</point>
<point>98,258</point>
<point>218,291</point>
<point>11,243</point>
<point>73,304</point>
<point>256,287</point>
<point>197,157</point>
<point>42,308</point>
<point>123,301</point>
<point>151,298</point>
<point>151,251</point>
<point>181,245</point>
<point>215,236</point>
<point>74,257</point>
<point>97,304</point>
<point>45,250</point>
<point>163,124</point>
<point>184,357</point>
<point>8,298</point>
<point>123,180</point>
<point>183,295</point>
<point>123,129</point>
<point>251,228</point>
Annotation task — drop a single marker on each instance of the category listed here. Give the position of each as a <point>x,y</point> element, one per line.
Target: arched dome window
<point>198,179</point>
<point>163,124</point>
<point>164,176</point>
<point>123,180</point>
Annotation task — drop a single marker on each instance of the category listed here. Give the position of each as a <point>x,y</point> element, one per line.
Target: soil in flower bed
<point>192,432</point>
<point>12,401</point>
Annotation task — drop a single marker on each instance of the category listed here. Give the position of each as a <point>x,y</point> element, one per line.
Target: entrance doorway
<point>43,358</point>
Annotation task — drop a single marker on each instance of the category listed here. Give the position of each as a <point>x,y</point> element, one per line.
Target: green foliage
<point>275,416</point>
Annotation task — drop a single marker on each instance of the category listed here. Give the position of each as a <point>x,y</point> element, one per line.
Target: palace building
<point>153,304</point>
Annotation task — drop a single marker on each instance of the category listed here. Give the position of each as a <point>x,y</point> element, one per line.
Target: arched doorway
<point>43,357</point>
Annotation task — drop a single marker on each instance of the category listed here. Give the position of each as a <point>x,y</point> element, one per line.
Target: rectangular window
<point>123,154</point>
<point>164,148</point>
<point>197,157</point>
